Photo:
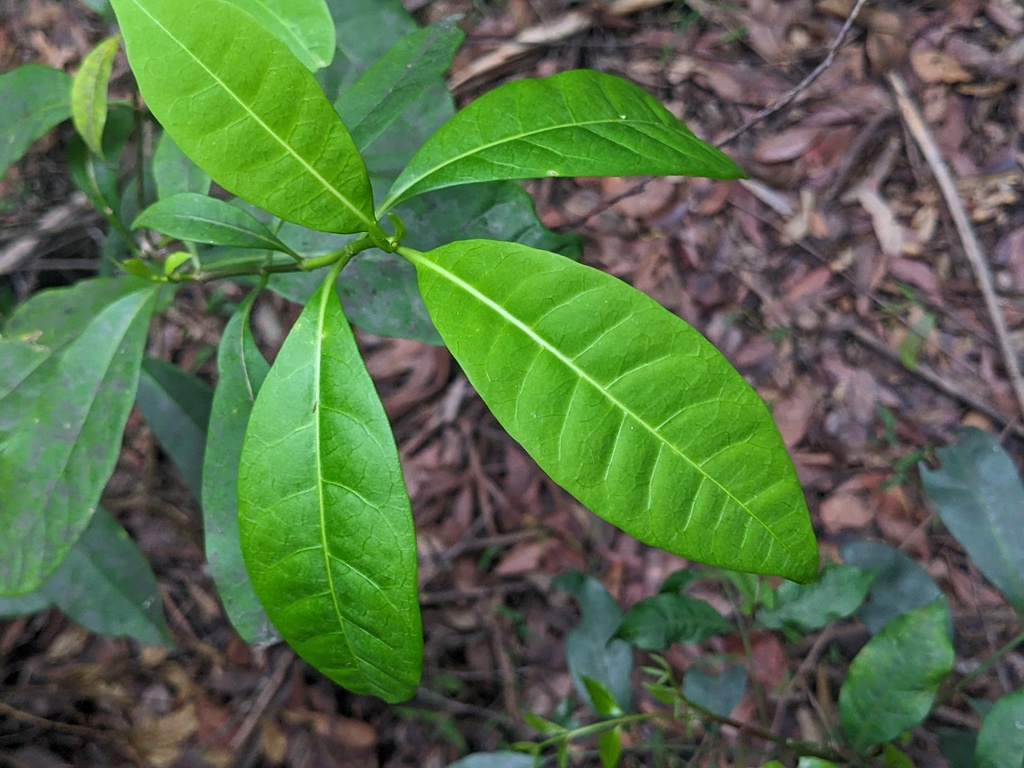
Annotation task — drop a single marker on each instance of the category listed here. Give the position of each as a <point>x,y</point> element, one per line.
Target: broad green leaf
<point>35,99</point>
<point>1001,739</point>
<point>621,403</point>
<point>838,593</point>
<point>203,219</point>
<point>21,357</point>
<point>237,102</point>
<point>495,760</point>
<point>892,681</point>
<point>980,498</point>
<point>241,370</point>
<point>899,585</point>
<point>326,528</point>
<point>657,622</point>
<point>53,469</point>
<point>106,585</point>
<point>12,606</point>
<point>679,580</point>
<point>717,693</point>
<point>590,648</point>
<point>305,26</point>
<point>176,405</point>
<point>602,699</point>
<point>609,747</point>
<point>385,91</point>
<point>577,123</point>
<point>174,172</point>
<point>89,93</point>
<point>99,177</point>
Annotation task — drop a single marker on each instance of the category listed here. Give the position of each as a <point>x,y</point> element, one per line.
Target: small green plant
<point>382,207</point>
<point>893,683</point>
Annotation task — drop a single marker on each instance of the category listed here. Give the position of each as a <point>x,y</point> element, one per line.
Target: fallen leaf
<point>937,67</point>
<point>845,510</point>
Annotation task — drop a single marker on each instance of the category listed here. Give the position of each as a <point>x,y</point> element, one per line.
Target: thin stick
<point>972,248</point>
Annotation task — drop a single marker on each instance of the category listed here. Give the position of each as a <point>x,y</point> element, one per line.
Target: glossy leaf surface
<point>657,622</point>
<point>203,219</point>
<point>305,26</point>
<point>899,583</point>
<point>89,93</point>
<point>237,101</point>
<point>174,172</point>
<point>326,528</point>
<point>623,404</point>
<point>53,470</point>
<point>893,679</point>
<point>577,123</point>
<point>241,370</point>
<point>176,405</point>
<point>980,498</point>
<point>838,593</point>
<point>1001,739</point>
<point>35,99</point>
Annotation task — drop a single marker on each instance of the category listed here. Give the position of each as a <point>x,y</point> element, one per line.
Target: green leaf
<point>657,622</point>
<point>386,90</point>
<point>55,467</point>
<point>89,93</point>
<point>602,699</point>
<point>495,760</point>
<point>609,747</point>
<point>246,111</point>
<point>590,647</point>
<point>176,405</point>
<point>815,762</point>
<point>892,681</point>
<point>241,370</point>
<point>35,99</point>
<point>107,586</point>
<point>679,580</point>
<point>12,606</point>
<point>623,404</point>
<point>174,172</point>
<point>717,693</point>
<point>838,593</point>
<point>202,219</point>
<point>899,584</point>
<point>364,31</point>
<point>305,26</point>
<point>1001,739</point>
<point>326,528</point>
<point>577,123</point>
<point>957,746</point>
<point>21,357</point>
<point>99,176</point>
<point>980,498</point>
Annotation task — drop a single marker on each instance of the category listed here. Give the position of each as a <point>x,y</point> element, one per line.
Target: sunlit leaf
<point>305,26</point>
<point>35,99</point>
<point>89,93</point>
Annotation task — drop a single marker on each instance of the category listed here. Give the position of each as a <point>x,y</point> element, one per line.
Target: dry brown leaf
<point>887,229</point>
<point>787,145</point>
<point>845,510</point>
<point>937,67</point>
<point>522,558</point>
<point>793,414</point>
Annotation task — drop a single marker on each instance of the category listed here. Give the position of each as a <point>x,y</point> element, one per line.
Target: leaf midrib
<point>420,258</point>
<point>285,145</point>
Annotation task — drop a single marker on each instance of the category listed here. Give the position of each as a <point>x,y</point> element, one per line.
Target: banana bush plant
<point>361,193</point>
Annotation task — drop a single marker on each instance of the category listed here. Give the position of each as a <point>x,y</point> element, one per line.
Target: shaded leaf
<point>35,99</point>
<point>174,172</point>
<point>577,123</point>
<point>241,370</point>
<point>12,606</point>
<point>980,498</point>
<point>305,26</point>
<point>246,111</point>
<point>838,593</point>
<point>89,93</point>
<point>326,528</point>
<point>590,648</point>
<point>176,405</point>
<point>657,622</point>
<point>899,583</point>
<point>20,358</point>
<point>495,760</point>
<point>99,177</point>
<point>1001,739</point>
<point>717,693</point>
<point>55,468</point>
<point>957,746</point>
<point>621,403</point>
<point>893,679</point>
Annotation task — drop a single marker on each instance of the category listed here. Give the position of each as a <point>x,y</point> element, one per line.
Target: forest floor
<point>837,279</point>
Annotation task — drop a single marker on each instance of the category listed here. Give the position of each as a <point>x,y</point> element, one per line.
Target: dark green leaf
<point>623,404</point>
<point>241,370</point>
<point>717,693</point>
<point>106,585</point>
<point>35,99</point>
<point>577,123</point>
<point>1001,740</point>
<point>247,111</point>
<point>174,172</point>
<point>305,26</point>
<point>980,498</point>
<point>681,579</point>
<point>657,622</point>
<point>89,93</point>
<point>957,746</point>
<point>56,465</point>
<point>892,681</point>
<point>495,760</point>
<point>12,606</point>
<point>838,593</point>
<point>202,219</point>
<point>590,648</point>
<point>324,518</point>
<point>899,585</point>
<point>99,177</point>
<point>176,405</point>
